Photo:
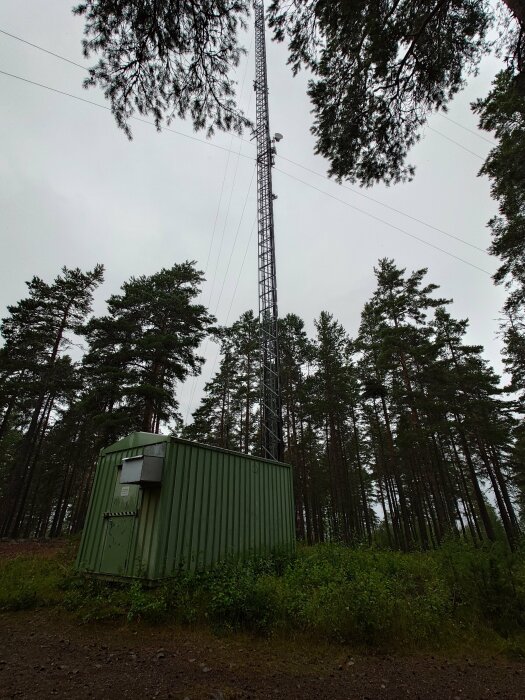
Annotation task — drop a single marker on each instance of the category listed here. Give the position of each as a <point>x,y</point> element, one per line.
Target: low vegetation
<point>456,597</point>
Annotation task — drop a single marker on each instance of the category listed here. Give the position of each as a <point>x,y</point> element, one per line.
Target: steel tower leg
<point>271,416</point>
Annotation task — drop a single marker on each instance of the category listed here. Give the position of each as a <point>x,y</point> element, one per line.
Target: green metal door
<point>119,530</point>
<point>117,545</point>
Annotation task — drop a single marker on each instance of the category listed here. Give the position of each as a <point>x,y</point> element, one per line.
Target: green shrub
<point>145,604</point>
<point>365,596</point>
<point>29,581</point>
<point>486,584</point>
<point>371,597</point>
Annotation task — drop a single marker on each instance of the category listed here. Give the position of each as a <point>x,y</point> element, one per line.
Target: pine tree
<point>480,418</point>
<point>296,355</point>
<point>502,113</point>
<point>38,329</point>
<point>401,347</point>
<point>228,414</point>
<point>214,420</point>
<point>333,387</point>
<point>167,60</point>
<point>143,348</point>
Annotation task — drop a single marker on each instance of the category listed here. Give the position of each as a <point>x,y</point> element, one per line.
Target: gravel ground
<point>45,654</point>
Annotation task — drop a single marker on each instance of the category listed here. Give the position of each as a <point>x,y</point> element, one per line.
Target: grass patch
<point>456,598</point>
<point>30,581</point>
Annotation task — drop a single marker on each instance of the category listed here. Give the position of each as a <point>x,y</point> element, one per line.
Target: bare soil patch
<point>40,548</point>
<point>45,654</point>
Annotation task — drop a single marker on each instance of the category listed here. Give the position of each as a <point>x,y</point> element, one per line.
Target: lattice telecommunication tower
<point>271,416</point>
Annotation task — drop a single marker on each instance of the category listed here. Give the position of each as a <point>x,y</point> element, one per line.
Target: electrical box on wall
<point>145,470</point>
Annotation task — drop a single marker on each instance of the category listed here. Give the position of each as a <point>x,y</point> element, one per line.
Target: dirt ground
<point>41,548</point>
<point>45,654</point>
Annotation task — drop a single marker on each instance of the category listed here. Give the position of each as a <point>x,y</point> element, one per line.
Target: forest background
<point>433,454</point>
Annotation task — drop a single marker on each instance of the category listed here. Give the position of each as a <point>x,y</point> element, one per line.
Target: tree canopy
<point>167,59</point>
<point>378,68</point>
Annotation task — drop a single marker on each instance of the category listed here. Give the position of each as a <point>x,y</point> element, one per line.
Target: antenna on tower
<point>271,416</point>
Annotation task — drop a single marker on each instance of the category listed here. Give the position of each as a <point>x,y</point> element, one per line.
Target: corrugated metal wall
<point>219,504</point>
<point>212,505</point>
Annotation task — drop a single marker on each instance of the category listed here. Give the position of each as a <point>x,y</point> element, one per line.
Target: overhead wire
<point>85,68</point>
<point>466,128</point>
<point>383,221</point>
<point>382,204</point>
<point>137,119</point>
<point>194,384</point>
<point>459,145</point>
<point>239,154</point>
<point>41,48</point>
<point>361,194</point>
<point>209,143</point>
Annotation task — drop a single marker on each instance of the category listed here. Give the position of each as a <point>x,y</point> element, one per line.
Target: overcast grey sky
<point>74,191</point>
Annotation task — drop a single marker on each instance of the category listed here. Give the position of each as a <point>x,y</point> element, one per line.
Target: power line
<point>361,194</point>
<point>85,68</point>
<point>387,206</point>
<point>67,60</point>
<point>383,221</point>
<point>462,126</point>
<point>222,148</point>
<point>456,143</point>
<point>138,119</point>
<point>79,65</point>
<point>96,104</point>
<point>41,48</point>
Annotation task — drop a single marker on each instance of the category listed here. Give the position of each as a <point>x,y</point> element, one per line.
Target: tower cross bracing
<point>271,417</point>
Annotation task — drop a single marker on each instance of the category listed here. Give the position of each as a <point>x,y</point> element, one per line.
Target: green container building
<point>160,504</point>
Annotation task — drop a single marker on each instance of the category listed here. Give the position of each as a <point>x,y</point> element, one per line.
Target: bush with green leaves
<point>362,596</point>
